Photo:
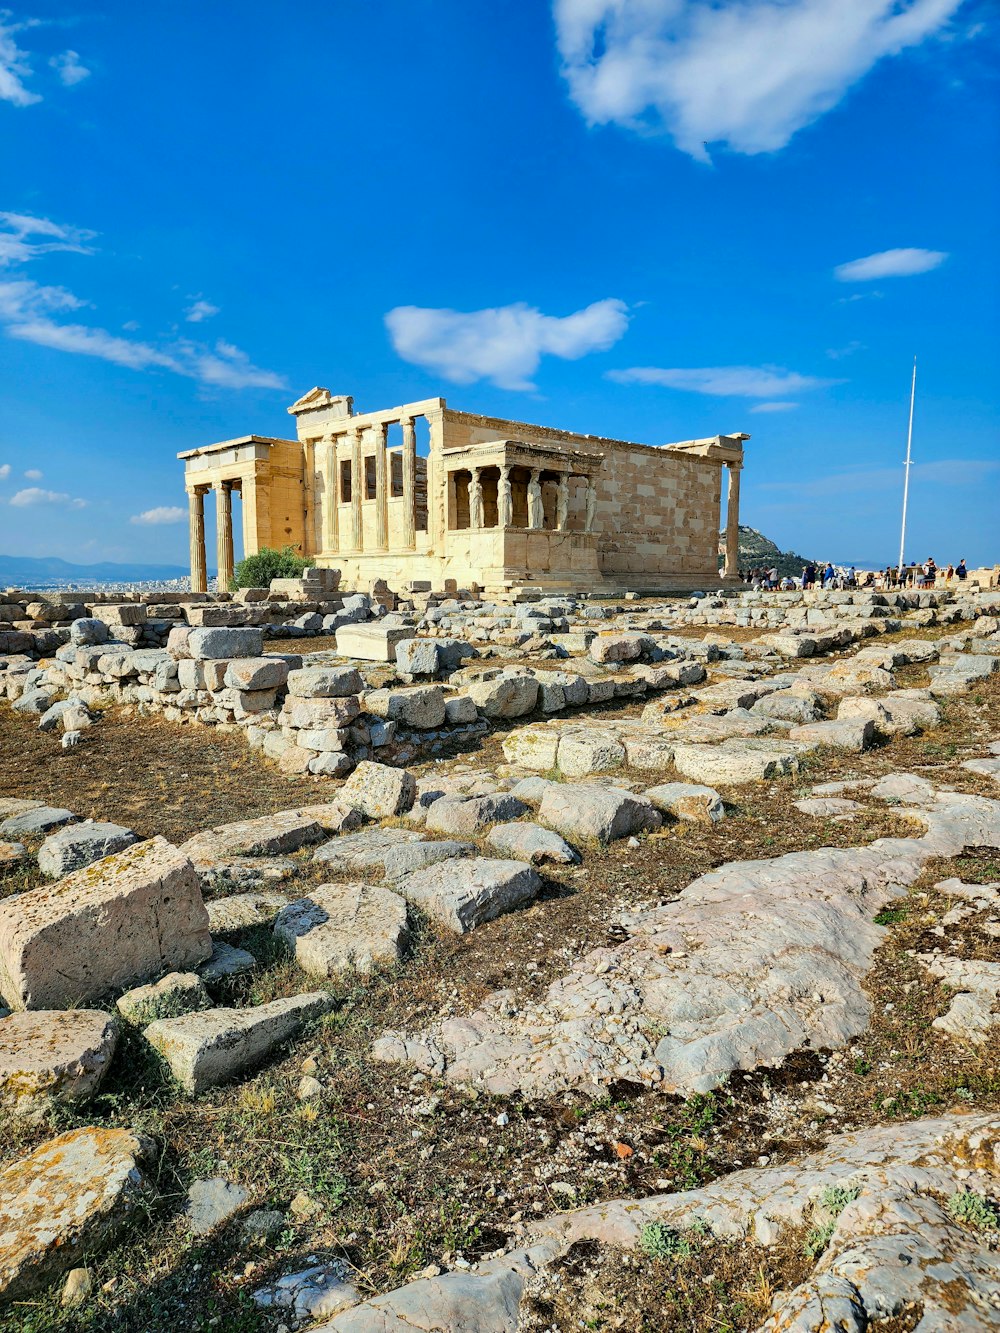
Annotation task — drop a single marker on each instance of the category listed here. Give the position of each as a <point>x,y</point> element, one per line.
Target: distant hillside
<point>21,569</point>
<point>757,550</point>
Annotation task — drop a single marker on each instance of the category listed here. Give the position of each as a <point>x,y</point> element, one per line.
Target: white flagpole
<point>906,473</point>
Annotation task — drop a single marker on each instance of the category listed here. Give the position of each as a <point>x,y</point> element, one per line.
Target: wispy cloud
<point>30,312</point>
<point>69,68</point>
<point>838,353</point>
<point>890,264</point>
<point>34,495</point>
<point>504,344</point>
<point>724,381</point>
<point>773,407</point>
<point>941,472</point>
<point>4,471</point>
<point>162,514</point>
<point>34,474</point>
<point>200,310</point>
<point>15,65</point>
<point>744,73</point>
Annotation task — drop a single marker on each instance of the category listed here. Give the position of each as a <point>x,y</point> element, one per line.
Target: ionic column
<point>224,532</point>
<point>733,521</point>
<point>451,518</point>
<point>381,507</point>
<point>331,529</point>
<point>357,541</point>
<point>196,532</point>
<point>409,483</point>
<point>562,501</point>
<point>308,498</point>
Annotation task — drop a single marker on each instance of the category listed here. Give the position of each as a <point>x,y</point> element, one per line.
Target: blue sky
<point>649,219</point>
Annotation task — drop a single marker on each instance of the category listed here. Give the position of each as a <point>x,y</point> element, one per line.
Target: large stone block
<point>78,845</point>
<point>603,814</point>
<point>125,920</point>
<point>66,1200</point>
<point>214,643</point>
<point>505,696</point>
<point>461,893</point>
<point>270,835</point>
<point>421,707</point>
<point>324,682</point>
<point>343,927</point>
<point>378,791</point>
<point>215,1045</point>
<point>256,673</point>
<point>371,643</point>
<point>53,1056</point>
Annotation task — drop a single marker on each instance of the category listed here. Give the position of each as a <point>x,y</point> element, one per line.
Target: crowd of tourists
<point>926,575</point>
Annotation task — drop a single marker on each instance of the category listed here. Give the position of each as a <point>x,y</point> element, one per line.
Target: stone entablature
<point>499,504</point>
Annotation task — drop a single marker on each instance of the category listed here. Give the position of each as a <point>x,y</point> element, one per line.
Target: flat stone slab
<point>53,1056</point>
<point>365,850</point>
<point>313,1293</point>
<point>211,1203</point>
<point>855,733</point>
<point>67,1200</point>
<point>687,801</point>
<point>128,918</point>
<point>987,768</point>
<point>736,761</point>
<point>601,814</point>
<point>344,927</point>
<point>176,993</point>
<point>12,854</point>
<point>532,843</point>
<point>405,858</point>
<point>371,643</point>
<point>211,1047</point>
<point>826,807</point>
<point>270,835</point>
<point>239,911</point>
<point>971,1016</point>
<point>79,845</point>
<point>462,894</point>
<point>35,822</point>
<point>904,788</point>
<point>226,961</point>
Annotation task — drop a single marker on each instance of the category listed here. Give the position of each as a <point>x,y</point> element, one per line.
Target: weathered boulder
<point>532,843</point>
<point>216,1045</point>
<point>505,695</point>
<point>854,733</point>
<point>238,911</point>
<point>69,1198</point>
<point>88,630</point>
<point>735,761</point>
<point>12,854</point>
<point>378,791</point>
<point>132,916</point>
<point>344,927</point>
<point>421,707</point>
<point>461,894</point>
<point>313,1293</point>
<point>256,673</point>
<point>687,801</point>
<point>365,850</point>
<point>51,1056</point>
<point>79,845</point>
<point>533,747</point>
<point>207,644</point>
<point>603,814</point>
<point>328,682</point>
<point>417,657</point>
<point>176,993</point>
<point>270,835</point>
<point>587,750</point>
<point>404,858</point>
<point>468,815</point>
<point>35,822</point>
<point>225,961</point>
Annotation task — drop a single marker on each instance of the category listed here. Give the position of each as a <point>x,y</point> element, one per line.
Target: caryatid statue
<point>506,499</point>
<point>591,505</point>
<point>475,500</point>
<point>536,511</point>
<point>562,503</point>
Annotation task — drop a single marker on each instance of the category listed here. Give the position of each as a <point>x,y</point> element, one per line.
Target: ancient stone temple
<point>424,493</point>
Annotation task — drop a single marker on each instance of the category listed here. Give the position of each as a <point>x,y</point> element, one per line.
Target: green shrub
<point>831,1204</point>
<point>967,1206</point>
<point>257,571</point>
<point>662,1242</point>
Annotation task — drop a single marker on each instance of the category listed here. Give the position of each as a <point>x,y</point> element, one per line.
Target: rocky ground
<point>481,1045</point>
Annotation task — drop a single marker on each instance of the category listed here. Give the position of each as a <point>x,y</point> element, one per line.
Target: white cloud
<point>200,310</point>
<point>33,474</point>
<point>724,381</point>
<point>838,353</point>
<point>890,264</point>
<point>503,344</point>
<point>34,495</point>
<point>773,407</point>
<point>745,73</point>
<point>67,65</point>
<point>14,64</point>
<point>27,311</point>
<point>4,471</point>
<point>162,514</point>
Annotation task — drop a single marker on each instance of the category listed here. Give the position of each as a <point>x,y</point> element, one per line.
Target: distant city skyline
<point>650,221</point>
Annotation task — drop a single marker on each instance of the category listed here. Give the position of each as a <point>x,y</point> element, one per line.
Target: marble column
<point>380,431</point>
<point>308,498</point>
<point>536,511</point>
<point>562,502</point>
<point>358,532</point>
<point>476,499</point>
<point>409,483</point>
<point>451,518</point>
<point>731,568</point>
<point>196,531</point>
<point>331,534</point>
<point>224,532</point>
